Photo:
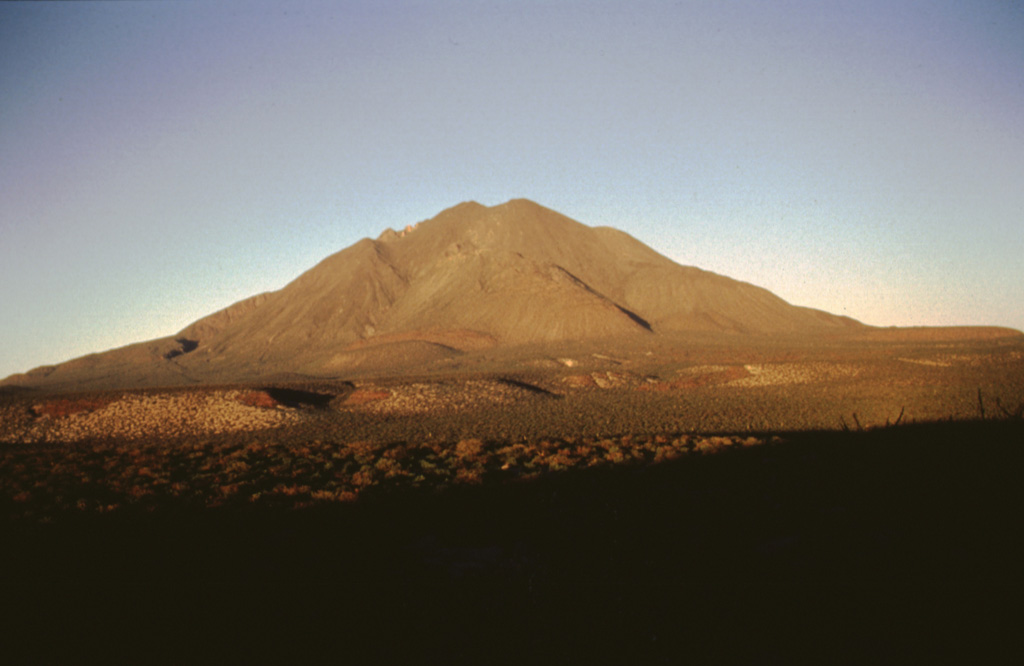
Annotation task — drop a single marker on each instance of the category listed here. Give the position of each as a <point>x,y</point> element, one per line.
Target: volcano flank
<point>473,277</point>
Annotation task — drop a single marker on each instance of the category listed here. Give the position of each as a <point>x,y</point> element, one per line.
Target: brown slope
<point>507,295</point>
<point>515,273</point>
<point>202,331</point>
<point>510,274</point>
<point>143,364</point>
<point>609,262</point>
<point>474,272</point>
<point>321,312</point>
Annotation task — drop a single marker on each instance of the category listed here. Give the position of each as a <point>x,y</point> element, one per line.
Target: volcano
<point>473,277</point>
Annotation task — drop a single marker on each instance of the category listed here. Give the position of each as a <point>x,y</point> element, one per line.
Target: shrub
<point>469,448</point>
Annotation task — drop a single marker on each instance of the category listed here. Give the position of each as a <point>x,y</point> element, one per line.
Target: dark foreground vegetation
<point>866,546</point>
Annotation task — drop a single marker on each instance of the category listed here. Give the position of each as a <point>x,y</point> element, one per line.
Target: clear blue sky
<point>161,160</point>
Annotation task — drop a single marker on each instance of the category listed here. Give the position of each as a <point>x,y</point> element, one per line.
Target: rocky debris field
<point>781,374</point>
<point>136,416</point>
<point>435,397</point>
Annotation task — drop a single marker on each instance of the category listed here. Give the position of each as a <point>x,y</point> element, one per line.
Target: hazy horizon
<point>160,161</point>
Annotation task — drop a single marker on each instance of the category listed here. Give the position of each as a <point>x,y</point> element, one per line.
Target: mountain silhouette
<point>473,277</point>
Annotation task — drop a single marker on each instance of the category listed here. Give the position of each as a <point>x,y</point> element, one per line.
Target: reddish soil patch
<point>364,396</point>
<point>66,406</point>
<point>258,399</point>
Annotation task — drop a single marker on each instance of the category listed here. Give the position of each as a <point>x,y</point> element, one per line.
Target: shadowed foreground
<point>917,503</point>
<point>862,542</point>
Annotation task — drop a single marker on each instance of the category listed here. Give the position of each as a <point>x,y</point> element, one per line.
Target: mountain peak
<point>512,274</point>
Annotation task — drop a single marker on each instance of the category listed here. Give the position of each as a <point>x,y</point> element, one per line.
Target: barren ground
<point>572,486</point>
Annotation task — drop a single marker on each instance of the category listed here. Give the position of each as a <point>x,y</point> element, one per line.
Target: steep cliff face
<point>472,276</point>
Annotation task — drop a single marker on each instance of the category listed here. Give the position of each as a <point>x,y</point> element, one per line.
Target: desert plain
<point>695,384</point>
